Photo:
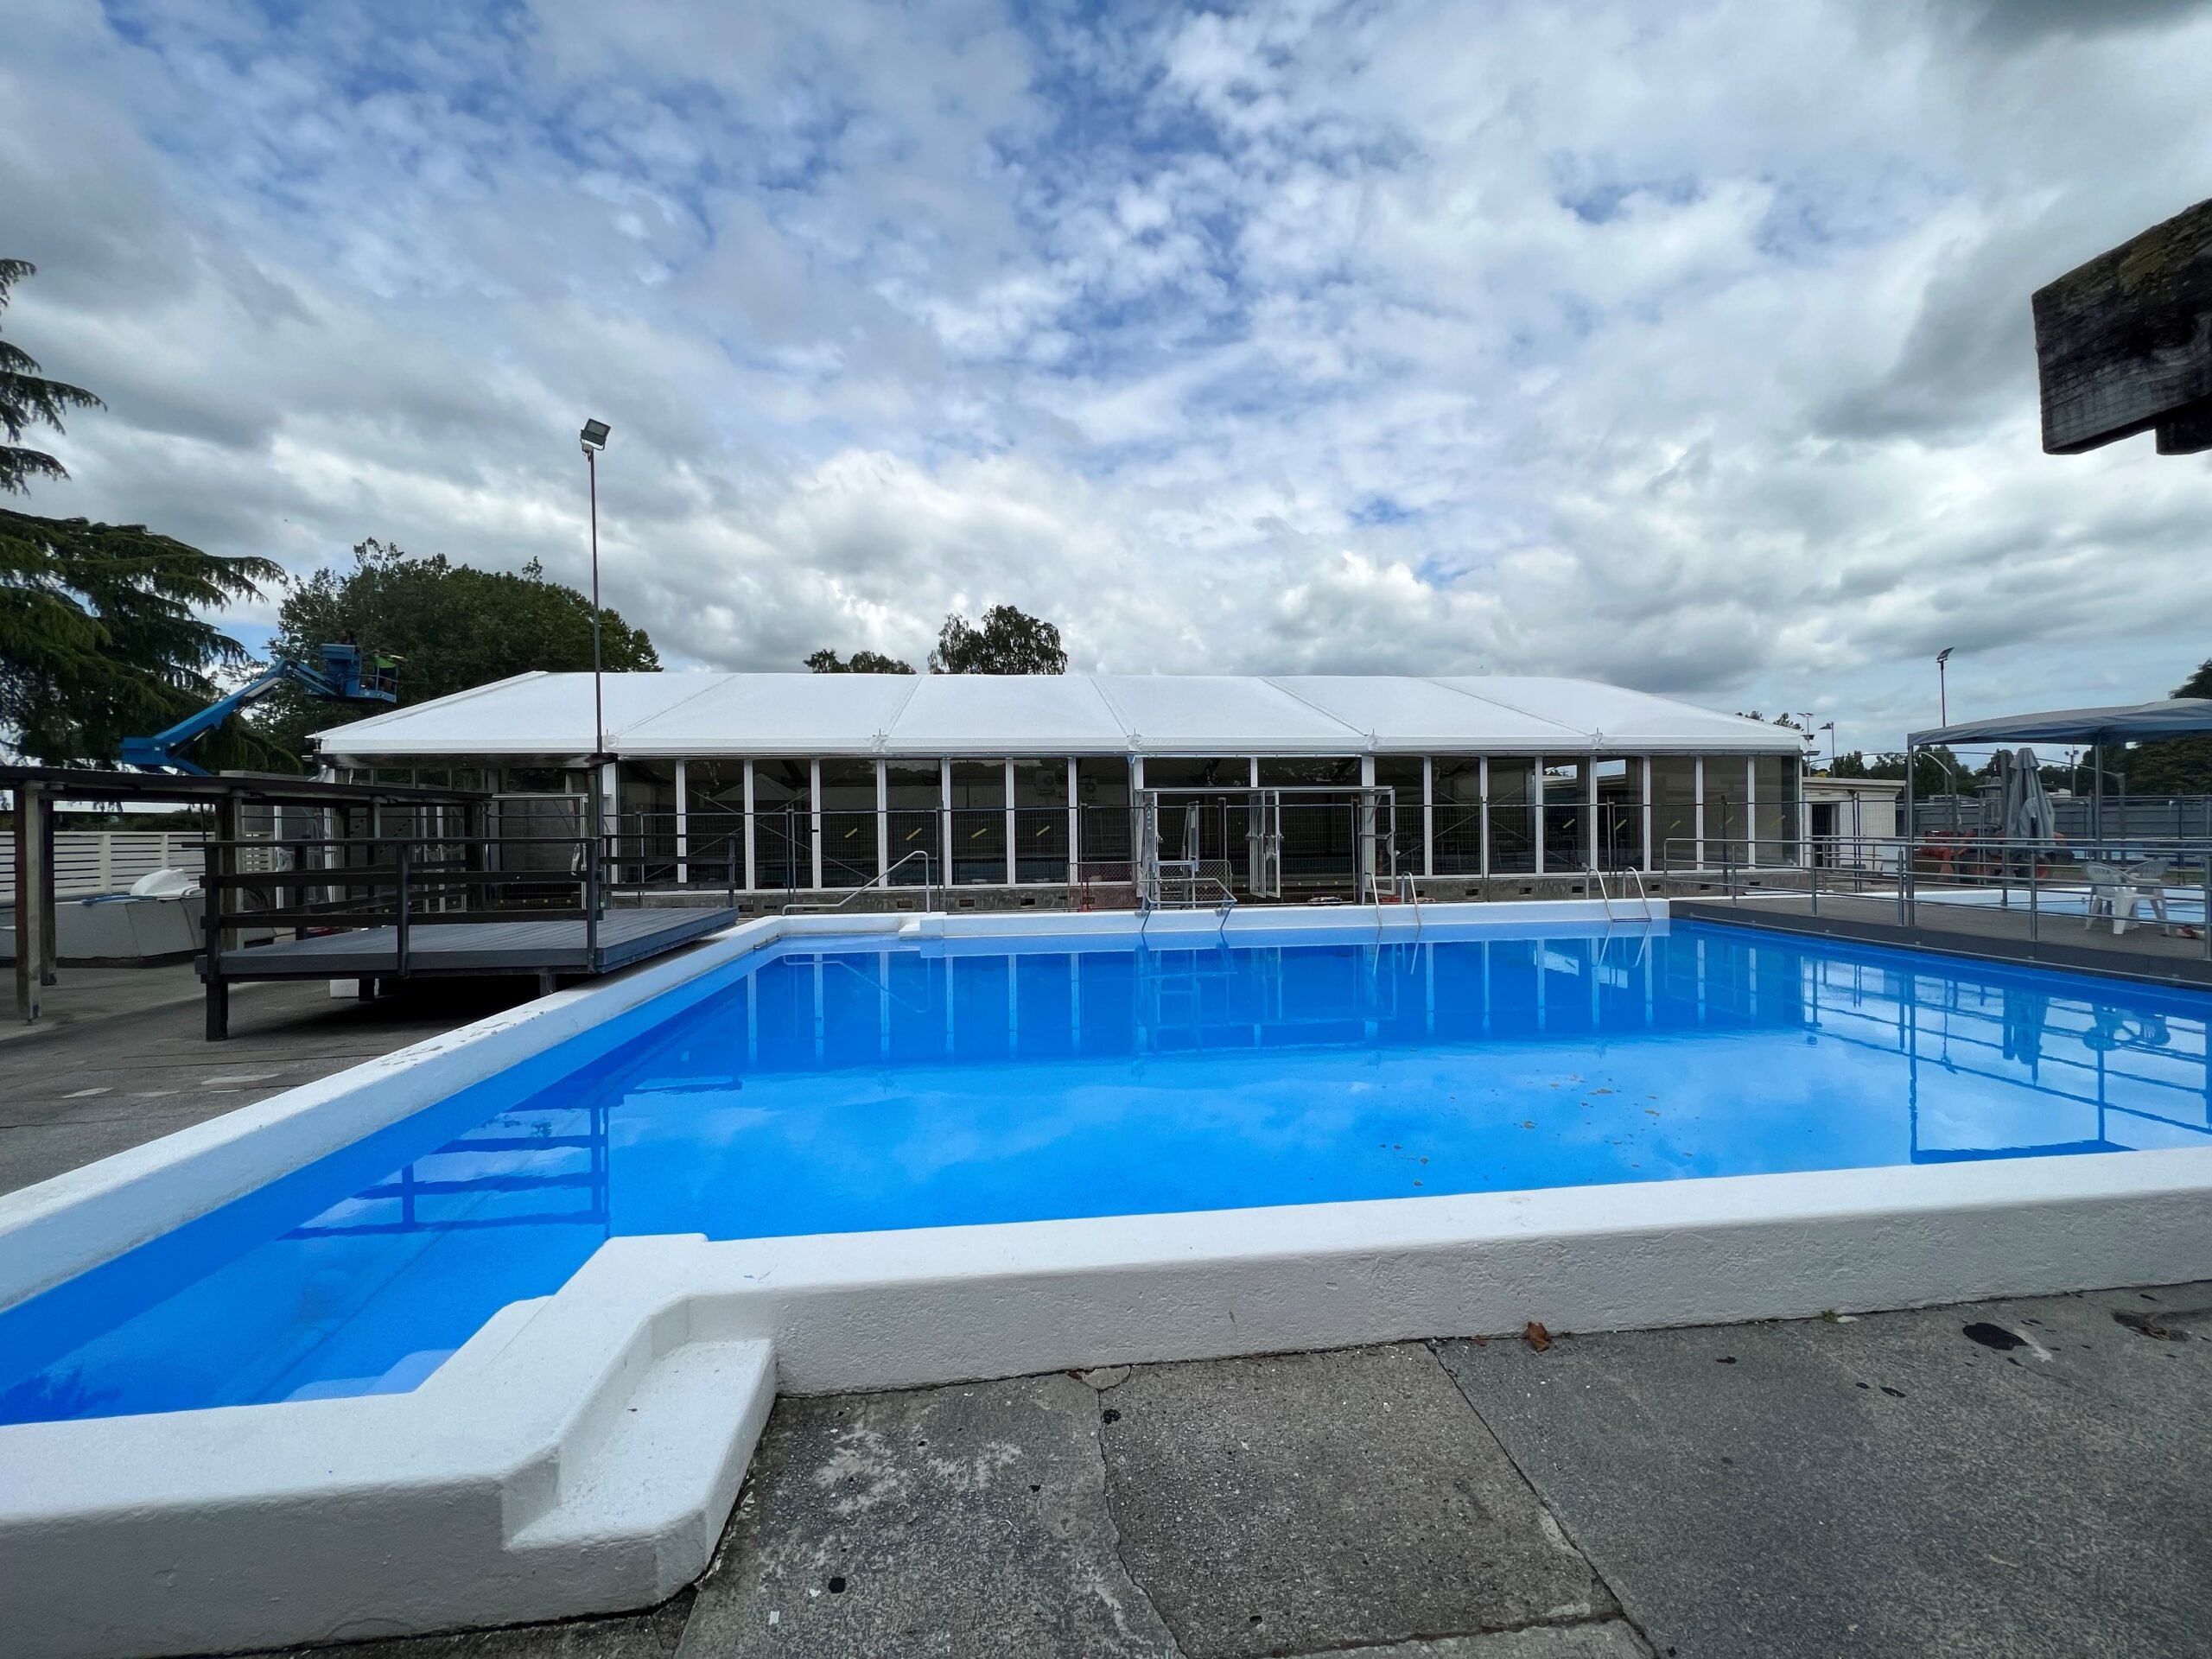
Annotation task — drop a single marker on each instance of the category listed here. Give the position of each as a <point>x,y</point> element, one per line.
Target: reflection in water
<point>861,1090</point>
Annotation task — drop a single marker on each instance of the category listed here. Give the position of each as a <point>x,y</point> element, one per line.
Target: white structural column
<point>1751,812</point>
<point>682,828</point>
<point>1541,802</point>
<point>1075,824</point>
<point>1697,813</point>
<point>1006,771</point>
<point>1429,820</point>
<point>752,873</point>
<point>814,817</point>
<point>946,823</point>
<point>1590,815</point>
<point>1364,853</point>
<point>1647,862</point>
<point>1482,816</point>
<point>882,825</point>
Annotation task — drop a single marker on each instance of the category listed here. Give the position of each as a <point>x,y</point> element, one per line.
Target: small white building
<point>791,781</point>
<point>1843,816</point>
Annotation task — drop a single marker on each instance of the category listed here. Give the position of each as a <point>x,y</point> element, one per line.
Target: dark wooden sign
<point>2124,343</point>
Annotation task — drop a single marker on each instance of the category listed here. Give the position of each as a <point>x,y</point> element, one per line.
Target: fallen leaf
<point>1539,1339</point>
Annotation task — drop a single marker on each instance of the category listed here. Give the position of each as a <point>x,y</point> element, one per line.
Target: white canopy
<point>702,715</point>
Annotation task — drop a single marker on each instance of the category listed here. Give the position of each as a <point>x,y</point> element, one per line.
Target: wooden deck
<point>521,946</point>
<point>1984,932</point>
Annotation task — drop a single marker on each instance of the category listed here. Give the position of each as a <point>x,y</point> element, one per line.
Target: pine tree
<point>103,627</point>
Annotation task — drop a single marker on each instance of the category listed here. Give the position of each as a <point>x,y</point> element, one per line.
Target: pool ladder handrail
<point>1604,899</point>
<point>883,879</point>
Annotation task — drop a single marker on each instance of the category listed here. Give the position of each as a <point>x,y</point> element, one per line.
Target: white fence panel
<point>107,860</point>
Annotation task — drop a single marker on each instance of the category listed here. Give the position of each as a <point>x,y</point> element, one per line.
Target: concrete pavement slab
<point>2017,1478</point>
<point>966,1522</point>
<point>1306,1502</point>
<point>1611,1638</point>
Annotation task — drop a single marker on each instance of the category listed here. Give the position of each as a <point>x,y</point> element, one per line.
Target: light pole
<point>594,440</point>
<point>1829,727</point>
<point>1942,689</point>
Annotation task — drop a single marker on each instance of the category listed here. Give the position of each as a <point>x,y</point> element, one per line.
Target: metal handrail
<point>2001,867</point>
<point>1604,897</point>
<point>929,886</point>
<point>1637,876</point>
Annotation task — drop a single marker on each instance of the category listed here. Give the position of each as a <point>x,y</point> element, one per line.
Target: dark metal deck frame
<point>37,789</point>
<point>425,905</point>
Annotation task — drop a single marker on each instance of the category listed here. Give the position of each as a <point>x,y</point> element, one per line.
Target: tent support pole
<point>1904,862</point>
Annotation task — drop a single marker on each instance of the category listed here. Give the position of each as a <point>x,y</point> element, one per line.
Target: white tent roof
<point>670,714</point>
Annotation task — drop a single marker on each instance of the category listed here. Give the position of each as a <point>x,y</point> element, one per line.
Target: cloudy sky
<point>1686,347</point>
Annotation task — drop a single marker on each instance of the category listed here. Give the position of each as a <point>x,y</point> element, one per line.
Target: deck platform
<point>521,946</point>
<point>1985,931</point>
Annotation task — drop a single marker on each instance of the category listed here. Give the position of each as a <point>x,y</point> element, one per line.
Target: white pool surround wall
<point>580,1454</point>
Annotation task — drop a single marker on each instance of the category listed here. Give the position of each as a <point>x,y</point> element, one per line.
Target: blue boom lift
<point>342,679</point>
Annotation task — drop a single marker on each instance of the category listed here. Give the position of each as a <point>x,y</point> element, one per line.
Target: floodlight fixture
<point>595,436</point>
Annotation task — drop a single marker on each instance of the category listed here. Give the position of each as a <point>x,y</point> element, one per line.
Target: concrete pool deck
<point>1747,1489</point>
<point>2017,1478</point>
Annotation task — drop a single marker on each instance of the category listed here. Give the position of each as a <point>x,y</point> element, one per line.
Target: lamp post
<point>1829,727</point>
<point>1942,689</point>
<point>594,440</point>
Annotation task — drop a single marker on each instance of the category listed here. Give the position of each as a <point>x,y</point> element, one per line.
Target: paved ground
<point>2015,1478</point>
<point>120,1056</point>
<point>2021,1479</point>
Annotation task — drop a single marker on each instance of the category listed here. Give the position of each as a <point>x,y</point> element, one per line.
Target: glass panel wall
<point>783,825</point>
<point>848,824</point>
<point>1101,787</point>
<point>714,820</point>
<point>1728,822</point>
<point>1566,815</point>
<point>1320,832</point>
<point>1512,816</point>
<point>1402,774</point>
<point>1674,811</point>
<point>913,799</point>
<point>1620,814</point>
<point>1209,828</point>
<point>978,821</point>
<point>643,835</point>
<point>1041,820</point>
<point>1780,779</point>
<point>1456,814</point>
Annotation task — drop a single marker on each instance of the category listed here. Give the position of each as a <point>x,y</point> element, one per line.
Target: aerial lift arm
<point>340,679</point>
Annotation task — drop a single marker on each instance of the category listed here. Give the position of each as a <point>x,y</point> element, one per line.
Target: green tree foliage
<point>451,627</point>
<point>1009,642</point>
<point>28,399</point>
<point>861,661</point>
<point>2179,766</point>
<point>1935,771</point>
<point>104,632</point>
<point>104,636</point>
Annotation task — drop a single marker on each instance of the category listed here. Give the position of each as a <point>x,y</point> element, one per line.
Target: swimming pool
<point>879,1084</point>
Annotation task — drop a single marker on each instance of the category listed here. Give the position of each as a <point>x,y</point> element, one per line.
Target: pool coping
<point>582,1451</point>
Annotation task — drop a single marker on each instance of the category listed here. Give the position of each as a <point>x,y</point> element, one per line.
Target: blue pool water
<point>830,1091</point>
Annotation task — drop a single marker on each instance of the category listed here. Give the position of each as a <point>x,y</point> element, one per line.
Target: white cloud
<point>1687,348</point>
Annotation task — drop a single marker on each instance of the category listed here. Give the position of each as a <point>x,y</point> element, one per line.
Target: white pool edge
<point>582,1452</point>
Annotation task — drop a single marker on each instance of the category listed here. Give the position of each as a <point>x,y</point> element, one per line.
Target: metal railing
<point>402,883</point>
<point>929,888</point>
<point>2112,879</point>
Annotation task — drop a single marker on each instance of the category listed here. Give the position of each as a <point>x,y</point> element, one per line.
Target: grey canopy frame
<point>2095,727</point>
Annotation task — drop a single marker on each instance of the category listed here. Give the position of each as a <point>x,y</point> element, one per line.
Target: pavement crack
<point>1620,1604</point>
<point>1114,1530</point>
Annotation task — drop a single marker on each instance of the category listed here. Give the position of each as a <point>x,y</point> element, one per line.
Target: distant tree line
<point>1009,641</point>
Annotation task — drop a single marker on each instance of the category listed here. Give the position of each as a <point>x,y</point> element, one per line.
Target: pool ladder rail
<point>1605,898</point>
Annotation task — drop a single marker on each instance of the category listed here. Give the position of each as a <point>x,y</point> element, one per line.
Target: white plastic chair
<point>2118,890</point>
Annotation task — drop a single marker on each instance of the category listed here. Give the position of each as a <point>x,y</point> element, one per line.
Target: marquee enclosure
<point>791,781</point>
